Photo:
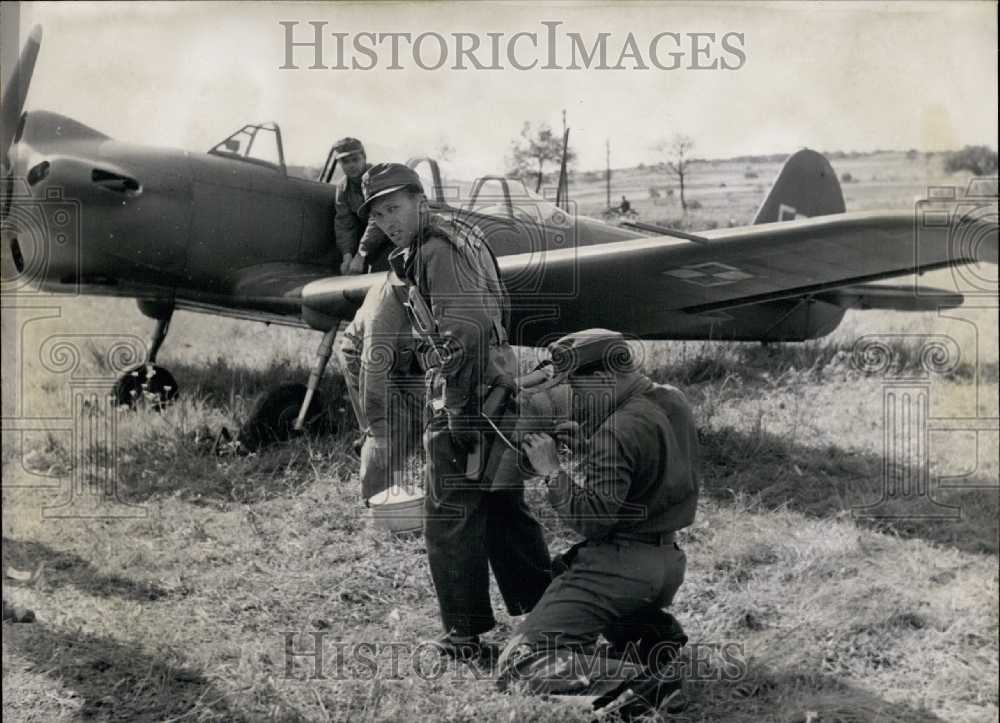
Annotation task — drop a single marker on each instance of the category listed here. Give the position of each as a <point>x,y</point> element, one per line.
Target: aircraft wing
<point>283,294</point>
<point>337,297</point>
<point>894,297</point>
<point>642,286</point>
<point>647,286</point>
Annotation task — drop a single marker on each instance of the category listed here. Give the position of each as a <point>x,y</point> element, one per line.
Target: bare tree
<point>535,147</point>
<point>678,152</point>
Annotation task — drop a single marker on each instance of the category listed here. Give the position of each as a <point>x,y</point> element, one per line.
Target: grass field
<point>798,609</point>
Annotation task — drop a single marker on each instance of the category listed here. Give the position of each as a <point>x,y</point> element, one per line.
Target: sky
<point>831,76</point>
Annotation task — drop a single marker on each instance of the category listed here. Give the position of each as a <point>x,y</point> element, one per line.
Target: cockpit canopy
<point>496,196</point>
<point>257,143</point>
<point>510,198</point>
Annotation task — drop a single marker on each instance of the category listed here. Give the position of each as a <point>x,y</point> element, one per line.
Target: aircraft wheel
<point>274,414</point>
<point>145,384</point>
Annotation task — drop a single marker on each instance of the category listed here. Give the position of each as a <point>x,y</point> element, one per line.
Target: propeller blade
<point>17,89</point>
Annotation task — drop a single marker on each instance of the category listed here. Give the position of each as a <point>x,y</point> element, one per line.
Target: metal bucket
<point>399,510</point>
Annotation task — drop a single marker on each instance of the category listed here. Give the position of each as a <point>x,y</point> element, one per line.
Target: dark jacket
<point>641,471</point>
<point>354,231</point>
<point>456,273</point>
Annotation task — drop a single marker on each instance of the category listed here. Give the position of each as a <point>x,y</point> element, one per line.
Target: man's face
<point>398,215</point>
<point>353,165</point>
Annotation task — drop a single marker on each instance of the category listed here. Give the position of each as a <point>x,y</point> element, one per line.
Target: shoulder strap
<point>473,236</point>
<point>466,238</point>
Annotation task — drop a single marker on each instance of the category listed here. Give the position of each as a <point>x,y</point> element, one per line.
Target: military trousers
<point>468,530</point>
<point>383,460</point>
<point>617,589</point>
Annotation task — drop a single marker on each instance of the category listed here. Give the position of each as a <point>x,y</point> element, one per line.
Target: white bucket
<point>399,510</point>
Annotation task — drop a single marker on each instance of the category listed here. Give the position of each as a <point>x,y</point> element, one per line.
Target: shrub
<point>846,178</point>
<point>980,160</point>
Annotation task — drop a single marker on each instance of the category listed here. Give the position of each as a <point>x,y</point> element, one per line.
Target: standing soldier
<point>638,486</point>
<point>363,247</point>
<point>458,307</point>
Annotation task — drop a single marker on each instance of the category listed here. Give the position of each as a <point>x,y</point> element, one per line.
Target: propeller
<point>17,89</point>
<point>14,95</point>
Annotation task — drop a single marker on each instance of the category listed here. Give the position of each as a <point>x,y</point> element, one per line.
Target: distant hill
<point>911,153</point>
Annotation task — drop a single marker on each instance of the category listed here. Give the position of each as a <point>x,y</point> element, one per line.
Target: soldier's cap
<point>385,178</point>
<point>347,147</point>
<point>591,350</point>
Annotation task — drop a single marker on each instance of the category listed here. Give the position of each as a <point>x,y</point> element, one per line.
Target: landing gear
<point>290,409</point>
<point>145,384</point>
<point>148,383</point>
<point>275,414</point>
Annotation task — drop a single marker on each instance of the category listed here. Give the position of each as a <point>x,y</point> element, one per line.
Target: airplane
<point>231,232</point>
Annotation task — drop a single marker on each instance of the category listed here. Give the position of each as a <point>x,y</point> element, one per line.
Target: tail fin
<point>806,186</point>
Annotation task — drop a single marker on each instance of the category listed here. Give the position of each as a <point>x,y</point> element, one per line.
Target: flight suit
<point>469,528</point>
<point>639,485</point>
<point>354,231</point>
<point>381,366</point>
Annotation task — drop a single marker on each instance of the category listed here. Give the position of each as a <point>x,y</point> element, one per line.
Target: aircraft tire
<point>274,413</point>
<point>145,384</point>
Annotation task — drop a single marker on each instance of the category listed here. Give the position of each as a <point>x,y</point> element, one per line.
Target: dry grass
<point>183,614</point>
<point>797,611</point>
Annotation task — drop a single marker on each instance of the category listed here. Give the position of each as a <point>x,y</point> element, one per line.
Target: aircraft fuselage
<point>100,216</point>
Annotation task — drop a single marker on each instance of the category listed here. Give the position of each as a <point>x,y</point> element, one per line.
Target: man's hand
<point>345,264</point>
<point>541,452</point>
<point>357,265</point>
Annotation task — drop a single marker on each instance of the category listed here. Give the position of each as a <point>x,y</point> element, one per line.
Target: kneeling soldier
<point>639,486</point>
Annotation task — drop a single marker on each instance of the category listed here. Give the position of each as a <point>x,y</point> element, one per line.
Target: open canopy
<point>257,143</point>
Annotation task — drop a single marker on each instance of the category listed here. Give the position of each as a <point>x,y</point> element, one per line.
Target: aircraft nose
<point>40,232</point>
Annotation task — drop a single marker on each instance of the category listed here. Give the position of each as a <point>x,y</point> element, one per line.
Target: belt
<point>648,538</point>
